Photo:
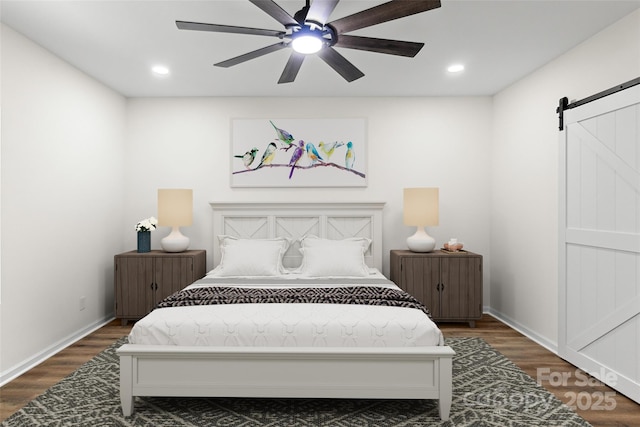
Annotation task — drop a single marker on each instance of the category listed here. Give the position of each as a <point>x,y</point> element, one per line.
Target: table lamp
<point>420,209</point>
<point>175,209</point>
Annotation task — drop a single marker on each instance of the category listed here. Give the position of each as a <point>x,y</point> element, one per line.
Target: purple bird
<point>297,154</point>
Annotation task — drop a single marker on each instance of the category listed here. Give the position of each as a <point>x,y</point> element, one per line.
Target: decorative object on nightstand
<point>449,284</point>
<point>453,245</point>
<point>421,209</point>
<point>143,229</point>
<point>175,209</point>
<point>142,280</point>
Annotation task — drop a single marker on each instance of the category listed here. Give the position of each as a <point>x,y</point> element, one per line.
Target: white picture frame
<point>340,144</point>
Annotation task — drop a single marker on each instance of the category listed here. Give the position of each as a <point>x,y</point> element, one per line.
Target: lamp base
<point>175,241</point>
<point>421,241</point>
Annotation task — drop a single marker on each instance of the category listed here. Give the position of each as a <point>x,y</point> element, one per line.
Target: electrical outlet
<point>83,303</point>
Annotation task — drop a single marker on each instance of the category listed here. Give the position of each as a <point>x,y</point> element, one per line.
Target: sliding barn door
<point>599,304</point>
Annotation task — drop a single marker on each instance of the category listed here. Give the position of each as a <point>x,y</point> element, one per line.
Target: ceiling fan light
<point>307,44</point>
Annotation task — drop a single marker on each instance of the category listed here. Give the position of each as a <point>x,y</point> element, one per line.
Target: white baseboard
<point>549,345</point>
<point>23,367</point>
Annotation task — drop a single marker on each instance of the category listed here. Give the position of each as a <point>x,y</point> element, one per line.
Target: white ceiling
<point>117,42</point>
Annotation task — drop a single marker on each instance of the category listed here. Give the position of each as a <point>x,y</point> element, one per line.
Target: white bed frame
<point>336,372</point>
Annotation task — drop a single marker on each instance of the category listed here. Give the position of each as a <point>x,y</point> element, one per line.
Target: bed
<point>384,348</point>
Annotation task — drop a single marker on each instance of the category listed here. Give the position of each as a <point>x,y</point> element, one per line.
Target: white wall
<point>442,142</point>
<point>524,211</point>
<point>62,201</point>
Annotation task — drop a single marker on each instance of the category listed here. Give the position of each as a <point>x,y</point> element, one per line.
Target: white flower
<point>147,224</point>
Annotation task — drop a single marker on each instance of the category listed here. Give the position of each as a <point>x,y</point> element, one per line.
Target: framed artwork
<point>298,153</point>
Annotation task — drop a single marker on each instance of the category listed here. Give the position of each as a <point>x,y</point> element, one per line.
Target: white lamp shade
<point>421,206</point>
<point>175,207</point>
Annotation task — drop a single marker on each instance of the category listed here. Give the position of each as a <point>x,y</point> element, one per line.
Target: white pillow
<point>340,260</point>
<point>311,240</point>
<point>252,257</point>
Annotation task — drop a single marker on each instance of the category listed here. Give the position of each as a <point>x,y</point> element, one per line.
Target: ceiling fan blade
<point>371,44</point>
<point>199,26</point>
<point>293,66</point>
<point>275,11</point>
<point>340,64</point>
<point>251,55</point>
<point>320,10</point>
<point>383,13</point>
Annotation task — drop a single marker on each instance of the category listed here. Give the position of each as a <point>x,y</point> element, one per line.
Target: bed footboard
<point>386,373</point>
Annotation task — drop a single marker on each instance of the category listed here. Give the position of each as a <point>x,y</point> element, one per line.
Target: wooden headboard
<point>259,220</point>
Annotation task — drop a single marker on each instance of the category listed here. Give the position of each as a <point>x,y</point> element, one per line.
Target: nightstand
<point>142,280</point>
<point>448,283</point>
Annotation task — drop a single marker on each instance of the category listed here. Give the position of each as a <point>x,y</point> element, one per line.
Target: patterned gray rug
<point>488,390</point>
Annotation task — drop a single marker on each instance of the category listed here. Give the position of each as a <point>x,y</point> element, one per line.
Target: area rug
<point>488,390</point>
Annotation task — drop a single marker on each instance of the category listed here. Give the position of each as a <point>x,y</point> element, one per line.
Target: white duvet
<point>287,325</point>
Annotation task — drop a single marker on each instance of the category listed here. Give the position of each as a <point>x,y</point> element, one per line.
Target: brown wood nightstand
<point>448,283</point>
<point>142,280</point>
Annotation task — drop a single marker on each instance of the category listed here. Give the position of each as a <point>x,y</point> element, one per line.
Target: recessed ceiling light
<point>455,68</point>
<point>160,70</point>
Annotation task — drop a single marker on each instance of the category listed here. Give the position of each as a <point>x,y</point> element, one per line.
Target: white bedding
<point>287,325</point>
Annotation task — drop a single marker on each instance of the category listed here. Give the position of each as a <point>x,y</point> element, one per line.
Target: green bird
<point>284,136</point>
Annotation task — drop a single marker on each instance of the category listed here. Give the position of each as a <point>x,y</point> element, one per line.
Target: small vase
<point>144,241</point>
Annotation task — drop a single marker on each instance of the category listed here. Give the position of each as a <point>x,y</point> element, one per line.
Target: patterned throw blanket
<point>364,295</point>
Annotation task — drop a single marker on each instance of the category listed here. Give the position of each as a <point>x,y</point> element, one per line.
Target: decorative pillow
<point>252,257</point>
<point>339,260</point>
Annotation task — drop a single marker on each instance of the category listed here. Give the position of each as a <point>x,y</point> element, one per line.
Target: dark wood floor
<point>525,353</point>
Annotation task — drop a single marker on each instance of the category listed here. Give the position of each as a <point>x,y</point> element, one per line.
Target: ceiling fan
<point>308,32</point>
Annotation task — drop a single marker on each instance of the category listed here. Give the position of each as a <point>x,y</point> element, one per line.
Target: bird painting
<point>297,154</point>
<point>324,152</point>
<point>329,148</point>
<point>268,155</point>
<point>285,137</point>
<point>312,153</point>
<point>248,157</point>
<point>350,156</point>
